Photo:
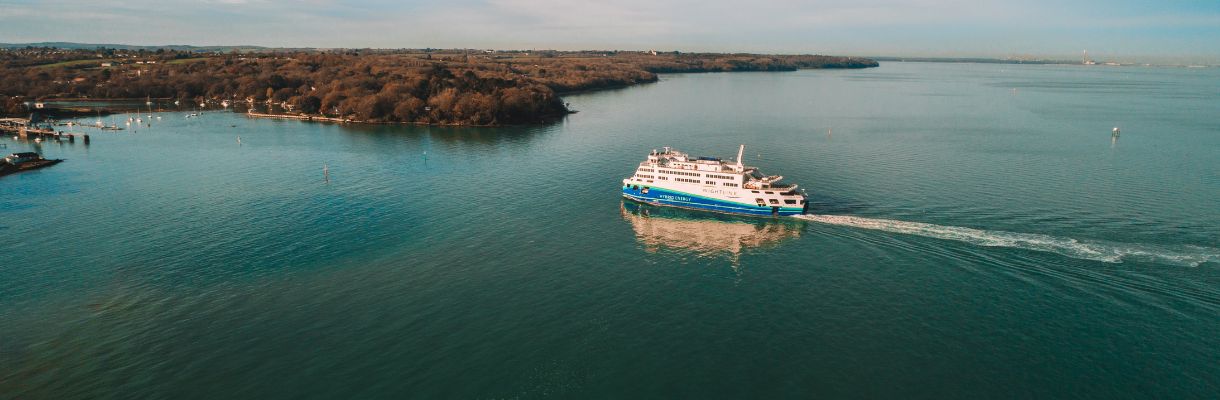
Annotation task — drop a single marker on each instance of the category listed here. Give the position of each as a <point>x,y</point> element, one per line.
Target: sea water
<point>977,231</point>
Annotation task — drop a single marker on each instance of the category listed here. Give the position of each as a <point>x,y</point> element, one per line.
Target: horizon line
<point>1067,58</point>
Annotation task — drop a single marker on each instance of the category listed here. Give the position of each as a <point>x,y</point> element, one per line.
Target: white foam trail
<point>1111,252</point>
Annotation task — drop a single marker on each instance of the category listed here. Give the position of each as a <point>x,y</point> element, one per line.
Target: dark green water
<point>979,235</point>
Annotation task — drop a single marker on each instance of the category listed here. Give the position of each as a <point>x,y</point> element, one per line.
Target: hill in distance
<point>87,46</point>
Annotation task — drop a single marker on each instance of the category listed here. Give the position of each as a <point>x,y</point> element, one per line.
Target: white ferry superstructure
<point>673,178</point>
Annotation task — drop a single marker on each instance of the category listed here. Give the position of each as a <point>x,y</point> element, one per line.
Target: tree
<point>283,94</point>
<point>442,103</point>
<point>332,102</point>
<point>309,104</point>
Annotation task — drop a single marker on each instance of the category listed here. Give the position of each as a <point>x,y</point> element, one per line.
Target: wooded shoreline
<point>364,86</point>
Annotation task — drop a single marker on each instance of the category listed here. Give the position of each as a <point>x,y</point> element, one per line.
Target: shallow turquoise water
<point>979,234</point>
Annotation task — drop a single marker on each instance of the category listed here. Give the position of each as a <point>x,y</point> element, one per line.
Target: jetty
<point>25,131</point>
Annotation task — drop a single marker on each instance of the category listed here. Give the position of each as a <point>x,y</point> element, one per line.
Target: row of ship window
<point>729,184</point>
<point>695,174</point>
<point>774,201</point>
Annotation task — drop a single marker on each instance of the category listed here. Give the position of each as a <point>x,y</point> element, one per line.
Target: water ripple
<point>1096,250</point>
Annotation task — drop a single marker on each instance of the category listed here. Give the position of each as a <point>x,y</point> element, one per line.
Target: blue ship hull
<point>664,197</point>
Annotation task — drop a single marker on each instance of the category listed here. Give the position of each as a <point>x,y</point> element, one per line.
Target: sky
<point>1108,29</point>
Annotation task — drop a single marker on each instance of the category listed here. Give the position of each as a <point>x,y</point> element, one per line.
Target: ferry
<point>673,178</point>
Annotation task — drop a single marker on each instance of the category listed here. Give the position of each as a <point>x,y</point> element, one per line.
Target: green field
<point>95,62</point>
<point>186,60</point>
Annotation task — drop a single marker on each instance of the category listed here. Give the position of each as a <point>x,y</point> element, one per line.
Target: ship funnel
<point>740,151</point>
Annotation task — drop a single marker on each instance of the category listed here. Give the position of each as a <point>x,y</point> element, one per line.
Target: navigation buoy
<point>239,140</point>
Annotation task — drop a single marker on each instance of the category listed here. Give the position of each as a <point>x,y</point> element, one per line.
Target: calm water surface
<point>979,233</point>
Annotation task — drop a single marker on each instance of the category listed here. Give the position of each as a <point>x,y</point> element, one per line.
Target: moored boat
<point>18,162</point>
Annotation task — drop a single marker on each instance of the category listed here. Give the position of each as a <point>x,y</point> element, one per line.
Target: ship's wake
<point>1111,252</point>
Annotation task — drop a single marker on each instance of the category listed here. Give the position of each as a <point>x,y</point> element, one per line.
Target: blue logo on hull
<point>675,199</point>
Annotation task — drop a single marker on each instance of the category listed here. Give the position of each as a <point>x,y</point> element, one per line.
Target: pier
<point>21,127</point>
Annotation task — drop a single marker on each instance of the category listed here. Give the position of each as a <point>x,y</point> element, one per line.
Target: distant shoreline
<point>976,60</point>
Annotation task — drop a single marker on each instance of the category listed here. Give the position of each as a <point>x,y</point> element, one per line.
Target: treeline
<point>750,62</point>
<point>584,71</point>
<point>10,106</point>
<point>371,86</point>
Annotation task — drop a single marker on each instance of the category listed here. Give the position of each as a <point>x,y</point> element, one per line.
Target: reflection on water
<point>706,234</point>
<point>449,134</point>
